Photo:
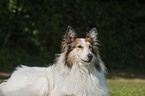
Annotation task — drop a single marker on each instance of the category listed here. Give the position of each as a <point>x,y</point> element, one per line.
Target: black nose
<point>90,56</point>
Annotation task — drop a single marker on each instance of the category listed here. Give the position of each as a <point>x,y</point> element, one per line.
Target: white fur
<point>58,80</point>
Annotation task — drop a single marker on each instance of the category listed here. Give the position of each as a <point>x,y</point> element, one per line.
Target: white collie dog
<point>78,71</point>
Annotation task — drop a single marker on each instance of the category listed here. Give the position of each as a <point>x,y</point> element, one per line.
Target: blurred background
<point>31,31</point>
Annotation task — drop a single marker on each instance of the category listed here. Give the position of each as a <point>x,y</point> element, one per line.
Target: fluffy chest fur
<point>79,81</point>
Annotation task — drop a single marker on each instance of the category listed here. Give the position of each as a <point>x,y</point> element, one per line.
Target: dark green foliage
<point>31,30</point>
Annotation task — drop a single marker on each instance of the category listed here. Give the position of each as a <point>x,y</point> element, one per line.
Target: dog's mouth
<point>88,61</point>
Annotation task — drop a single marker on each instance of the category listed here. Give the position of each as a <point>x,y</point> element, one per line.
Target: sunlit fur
<point>69,76</point>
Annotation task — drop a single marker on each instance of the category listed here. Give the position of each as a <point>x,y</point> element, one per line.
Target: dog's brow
<point>83,41</point>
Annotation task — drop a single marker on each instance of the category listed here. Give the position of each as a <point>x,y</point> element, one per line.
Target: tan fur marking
<point>79,42</point>
<point>69,48</point>
<point>89,40</point>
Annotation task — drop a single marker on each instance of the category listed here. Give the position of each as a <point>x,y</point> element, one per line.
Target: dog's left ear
<point>92,34</point>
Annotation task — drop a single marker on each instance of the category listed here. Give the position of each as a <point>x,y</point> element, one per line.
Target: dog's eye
<point>80,46</point>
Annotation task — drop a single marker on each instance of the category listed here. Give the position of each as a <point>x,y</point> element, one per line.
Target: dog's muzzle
<point>90,56</point>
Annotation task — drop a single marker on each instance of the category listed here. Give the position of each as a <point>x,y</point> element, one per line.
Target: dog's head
<point>80,50</point>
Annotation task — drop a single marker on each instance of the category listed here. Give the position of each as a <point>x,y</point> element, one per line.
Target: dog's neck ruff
<point>80,79</point>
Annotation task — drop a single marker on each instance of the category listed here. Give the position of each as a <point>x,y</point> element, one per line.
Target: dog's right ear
<point>70,35</point>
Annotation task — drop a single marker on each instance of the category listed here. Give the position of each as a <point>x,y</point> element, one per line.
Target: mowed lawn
<point>126,88</point>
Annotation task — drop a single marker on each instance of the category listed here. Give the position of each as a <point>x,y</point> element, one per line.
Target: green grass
<point>118,88</point>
